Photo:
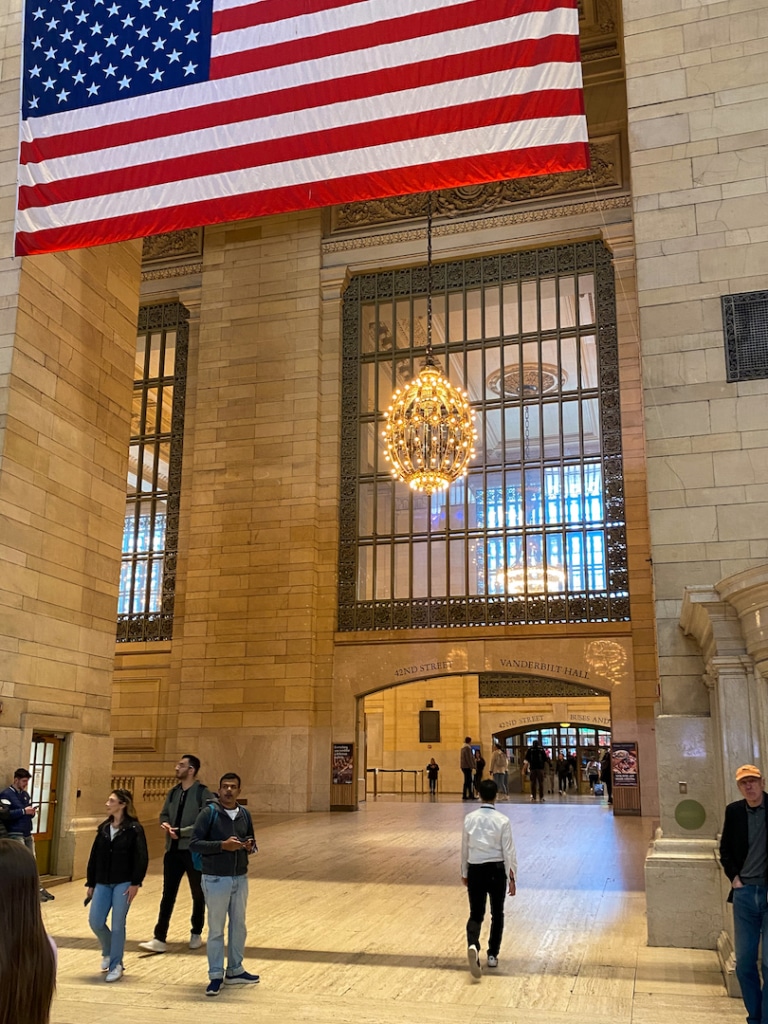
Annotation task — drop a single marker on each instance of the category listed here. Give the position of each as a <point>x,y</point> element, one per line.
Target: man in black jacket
<point>744,856</point>
<point>182,805</point>
<point>223,837</point>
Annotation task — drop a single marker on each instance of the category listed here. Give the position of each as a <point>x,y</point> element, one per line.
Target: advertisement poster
<point>624,764</point>
<point>341,770</point>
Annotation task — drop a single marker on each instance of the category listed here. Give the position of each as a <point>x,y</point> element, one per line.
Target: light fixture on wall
<point>430,433</point>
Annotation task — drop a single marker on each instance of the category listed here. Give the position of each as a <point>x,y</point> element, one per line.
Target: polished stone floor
<point>359,918</point>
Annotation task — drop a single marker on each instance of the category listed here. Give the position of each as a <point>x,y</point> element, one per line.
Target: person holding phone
<point>19,817</point>
<point>223,838</point>
<point>116,868</point>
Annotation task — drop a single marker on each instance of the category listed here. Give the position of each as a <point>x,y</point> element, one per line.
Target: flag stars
<point>34,103</point>
<point>80,46</point>
<point>128,21</point>
<point>78,78</point>
<point>50,54</point>
<point>63,96</point>
<point>48,83</point>
<point>95,58</point>
<point>173,56</point>
<point>37,43</point>
<point>125,82</point>
<point>35,71</point>
<point>144,4</point>
<point>39,14</point>
<point>158,44</point>
<point>161,12</point>
<point>157,75</point>
<point>109,71</point>
<point>127,51</point>
<point>66,35</point>
<point>96,29</point>
<point>175,25</point>
<point>143,32</point>
<point>82,17</point>
<point>52,24</point>
<point>111,40</point>
<point>191,36</point>
<point>141,64</point>
<point>65,65</point>
<point>113,11</point>
<point>190,69</point>
<point>93,89</point>
<point>193,5</point>
<point>68,7</point>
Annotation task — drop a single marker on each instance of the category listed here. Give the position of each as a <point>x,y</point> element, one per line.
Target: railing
<point>376,772</point>
<point>144,787</point>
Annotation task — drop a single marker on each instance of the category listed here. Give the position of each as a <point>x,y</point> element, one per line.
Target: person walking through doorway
<point>467,765</point>
<point>536,759</point>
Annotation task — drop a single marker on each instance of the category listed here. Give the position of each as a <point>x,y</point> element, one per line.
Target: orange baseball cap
<point>748,771</point>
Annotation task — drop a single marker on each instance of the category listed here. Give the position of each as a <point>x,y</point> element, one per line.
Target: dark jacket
<point>122,859</point>
<point>197,797</point>
<point>5,818</point>
<point>212,827</point>
<point>734,841</point>
<point>17,801</point>
<point>536,758</point>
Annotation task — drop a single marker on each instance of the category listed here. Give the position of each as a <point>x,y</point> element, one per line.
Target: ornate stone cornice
<point>505,220</point>
<point>605,172</point>
<point>173,245</point>
<point>179,270</point>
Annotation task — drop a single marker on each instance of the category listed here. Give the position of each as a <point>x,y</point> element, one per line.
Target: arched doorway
<point>580,743</point>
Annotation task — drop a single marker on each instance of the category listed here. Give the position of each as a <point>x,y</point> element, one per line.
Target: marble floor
<point>359,917</point>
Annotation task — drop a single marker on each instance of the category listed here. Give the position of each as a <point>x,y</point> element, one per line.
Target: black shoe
<point>46,896</point>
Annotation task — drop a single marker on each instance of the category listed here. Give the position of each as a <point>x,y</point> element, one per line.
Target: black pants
<point>467,793</point>
<point>537,782</point>
<point>486,880</point>
<point>176,864</point>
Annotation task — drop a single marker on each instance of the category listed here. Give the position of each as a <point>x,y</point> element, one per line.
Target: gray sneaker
<point>492,961</point>
<point>154,946</point>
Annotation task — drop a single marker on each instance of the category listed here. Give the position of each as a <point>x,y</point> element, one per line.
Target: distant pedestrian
<point>606,775</point>
<point>498,769</point>
<point>479,769</point>
<point>467,765</point>
<point>593,773</point>
<point>433,770</point>
<point>562,769</point>
<point>536,759</point>
<point>488,866</point>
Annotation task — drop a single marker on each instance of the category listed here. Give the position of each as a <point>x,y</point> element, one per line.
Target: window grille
<point>745,324</point>
<point>536,531</point>
<point>151,525</point>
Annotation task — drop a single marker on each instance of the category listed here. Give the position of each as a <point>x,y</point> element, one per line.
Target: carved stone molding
<point>173,245</point>
<point>605,172</point>
<point>179,270</point>
<point>506,220</point>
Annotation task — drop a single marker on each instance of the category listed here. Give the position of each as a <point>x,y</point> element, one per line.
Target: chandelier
<point>430,433</point>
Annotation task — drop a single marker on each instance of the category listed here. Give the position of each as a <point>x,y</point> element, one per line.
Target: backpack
<point>197,858</point>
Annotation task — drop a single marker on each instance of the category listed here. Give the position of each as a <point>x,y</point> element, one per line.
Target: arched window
<point>535,532</point>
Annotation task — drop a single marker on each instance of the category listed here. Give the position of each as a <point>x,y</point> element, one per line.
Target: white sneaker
<point>105,963</point>
<point>492,961</point>
<point>195,941</point>
<point>473,959</point>
<point>116,974</point>
<point>154,946</point>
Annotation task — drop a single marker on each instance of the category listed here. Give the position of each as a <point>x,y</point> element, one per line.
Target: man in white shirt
<point>488,865</point>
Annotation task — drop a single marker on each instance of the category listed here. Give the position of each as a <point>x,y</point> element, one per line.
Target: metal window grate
<point>745,325</point>
<point>151,526</point>
<point>535,532</point>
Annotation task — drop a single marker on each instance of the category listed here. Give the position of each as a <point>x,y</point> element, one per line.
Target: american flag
<point>145,116</point>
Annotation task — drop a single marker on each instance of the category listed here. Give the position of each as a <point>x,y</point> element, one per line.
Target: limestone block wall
<point>250,664</point>
<point>697,86</point>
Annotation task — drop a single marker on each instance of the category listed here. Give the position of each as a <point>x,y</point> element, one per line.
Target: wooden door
<point>44,766</point>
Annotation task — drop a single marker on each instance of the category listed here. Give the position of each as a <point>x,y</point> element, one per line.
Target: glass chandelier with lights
<point>430,432</point>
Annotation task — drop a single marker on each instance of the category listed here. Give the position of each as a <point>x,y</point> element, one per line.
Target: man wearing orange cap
<point>744,856</point>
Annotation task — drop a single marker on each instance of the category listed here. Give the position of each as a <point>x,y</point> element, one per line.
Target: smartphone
<point>87,900</point>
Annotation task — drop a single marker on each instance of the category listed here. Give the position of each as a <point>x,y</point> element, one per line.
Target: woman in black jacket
<point>116,869</point>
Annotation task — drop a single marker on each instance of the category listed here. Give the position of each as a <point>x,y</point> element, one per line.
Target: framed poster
<point>624,764</point>
<point>342,764</point>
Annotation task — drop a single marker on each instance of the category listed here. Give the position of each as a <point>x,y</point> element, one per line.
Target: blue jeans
<point>106,898</point>
<point>500,778</point>
<point>750,924</point>
<point>226,894</point>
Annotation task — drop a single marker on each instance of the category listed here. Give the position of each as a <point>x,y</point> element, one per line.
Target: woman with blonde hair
<point>116,869</point>
<point>27,955</point>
